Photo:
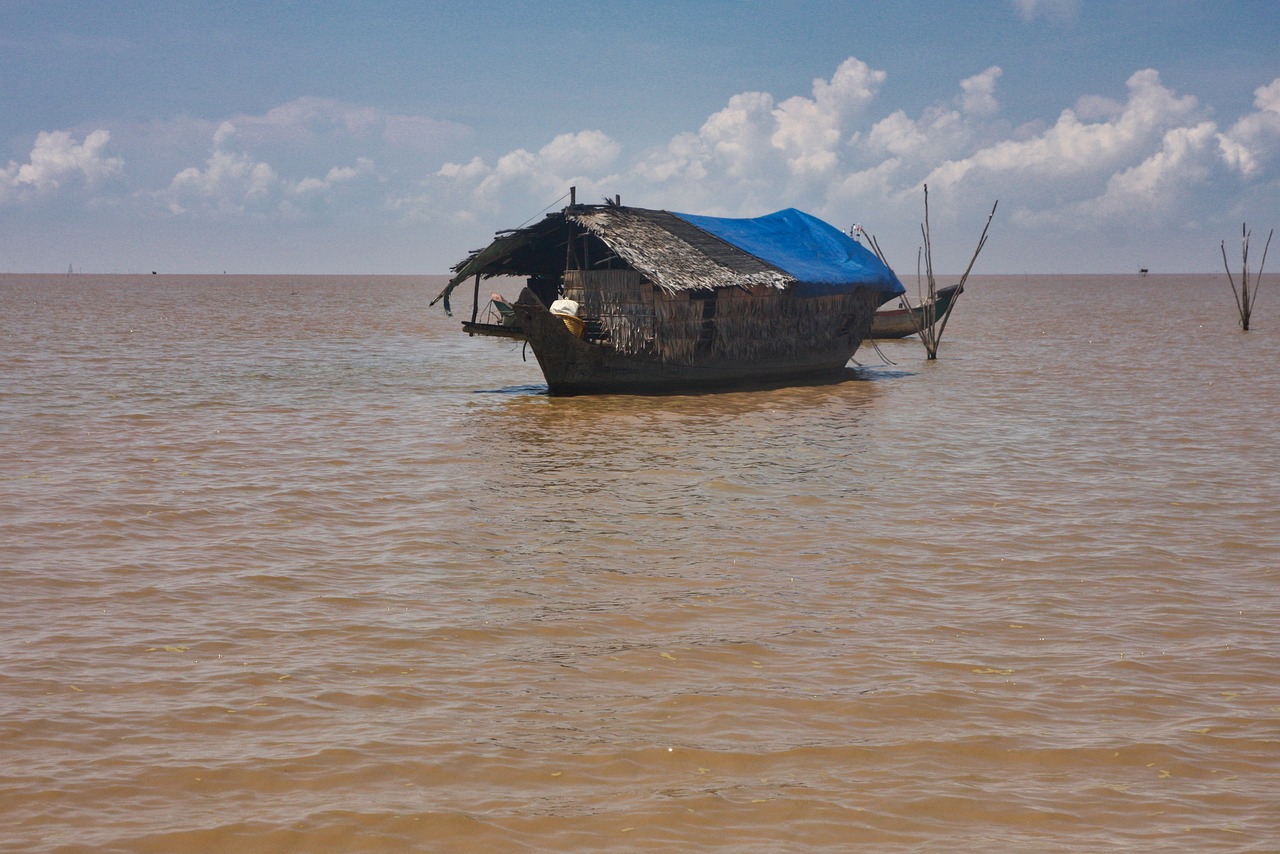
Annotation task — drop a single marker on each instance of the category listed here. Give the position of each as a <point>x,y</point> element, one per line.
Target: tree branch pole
<point>930,327</point>
<point>1244,299</point>
<point>982,241</point>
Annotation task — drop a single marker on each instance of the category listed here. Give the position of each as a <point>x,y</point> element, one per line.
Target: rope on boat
<point>881,354</point>
<point>883,358</point>
<point>541,212</point>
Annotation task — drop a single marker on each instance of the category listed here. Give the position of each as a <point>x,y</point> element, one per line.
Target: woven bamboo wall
<point>748,322</point>
<point>766,322</point>
<point>623,302</point>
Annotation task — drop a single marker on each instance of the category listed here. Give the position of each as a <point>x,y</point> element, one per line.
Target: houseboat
<point>623,299</point>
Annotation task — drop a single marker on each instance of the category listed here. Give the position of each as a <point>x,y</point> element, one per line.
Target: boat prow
<point>901,322</point>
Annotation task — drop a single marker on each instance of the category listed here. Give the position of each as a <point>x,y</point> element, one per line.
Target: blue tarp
<point>823,259</point>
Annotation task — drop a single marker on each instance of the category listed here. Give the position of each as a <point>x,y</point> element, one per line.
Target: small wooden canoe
<point>899,323</point>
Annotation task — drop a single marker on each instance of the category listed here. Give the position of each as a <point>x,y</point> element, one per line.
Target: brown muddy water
<point>291,564</point>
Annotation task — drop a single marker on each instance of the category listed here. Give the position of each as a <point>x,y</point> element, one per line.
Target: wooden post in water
<point>1244,298</point>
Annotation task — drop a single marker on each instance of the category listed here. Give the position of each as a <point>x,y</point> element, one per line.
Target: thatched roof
<point>678,252</point>
<point>674,254</point>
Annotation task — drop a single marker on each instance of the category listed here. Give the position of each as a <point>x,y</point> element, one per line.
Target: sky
<point>395,137</point>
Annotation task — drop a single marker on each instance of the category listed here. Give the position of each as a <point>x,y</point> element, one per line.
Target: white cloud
<point>734,141</point>
<point>758,151</point>
<point>1131,167</point>
<point>1140,159</point>
<point>979,96</point>
<point>1091,108</point>
<point>473,170</point>
<point>1101,159</point>
<point>587,151</point>
<point>1054,10</point>
<point>230,182</point>
<point>57,157</point>
<point>304,159</point>
<point>878,182</point>
<point>569,159</point>
<point>466,191</point>
<point>808,130</point>
<point>1152,187</point>
<point>1268,97</point>
<point>307,120</point>
<point>1255,138</point>
<point>751,132</point>
<point>335,176</point>
<point>234,180</point>
<point>938,133</point>
<point>898,134</point>
<point>225,131</point>
<point>1072,149</point>
<point>752,144</point>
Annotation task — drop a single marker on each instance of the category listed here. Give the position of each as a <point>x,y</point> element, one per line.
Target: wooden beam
<point>475,300</point>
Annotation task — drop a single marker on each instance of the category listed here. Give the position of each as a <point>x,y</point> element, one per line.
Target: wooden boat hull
<point>572,365</point>
<point>899,322</point>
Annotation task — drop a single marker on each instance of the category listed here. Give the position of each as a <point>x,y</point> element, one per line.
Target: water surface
<point>291,564</point>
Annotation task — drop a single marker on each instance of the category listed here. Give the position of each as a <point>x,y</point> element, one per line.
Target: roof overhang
<point>679,252</point>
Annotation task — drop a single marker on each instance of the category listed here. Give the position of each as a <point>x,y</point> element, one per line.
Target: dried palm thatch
<point>667,250</point>
<point>672,253</point>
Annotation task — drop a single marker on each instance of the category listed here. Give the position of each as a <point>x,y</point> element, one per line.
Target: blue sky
<point>394,137</point>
